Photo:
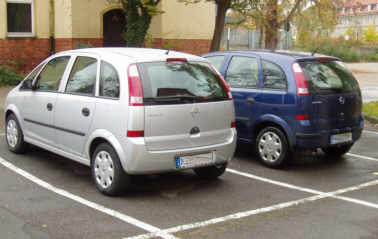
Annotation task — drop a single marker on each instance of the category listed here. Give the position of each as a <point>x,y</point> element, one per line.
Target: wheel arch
<point>104,136</point>
<point>12,109</point>
<point>274,121</point>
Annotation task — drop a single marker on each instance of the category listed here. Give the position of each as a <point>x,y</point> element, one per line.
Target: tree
<point>139,14</point>
<point>371,35</point>
<point>222,7</point>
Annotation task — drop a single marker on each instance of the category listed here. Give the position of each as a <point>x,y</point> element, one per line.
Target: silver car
<point>125,111</point>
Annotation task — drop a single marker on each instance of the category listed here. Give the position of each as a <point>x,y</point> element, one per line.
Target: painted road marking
<point>95,206</point>
<point>370,132</point>
<point>362,157</point>
<point>275,207</point>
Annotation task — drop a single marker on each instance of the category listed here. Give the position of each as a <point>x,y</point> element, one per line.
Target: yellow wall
<point>41,18</point>
<point>3,20</point>
<point>193,21</point>
<point>63,18</point>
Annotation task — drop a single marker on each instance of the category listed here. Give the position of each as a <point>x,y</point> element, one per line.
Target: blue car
<point>286,101</point>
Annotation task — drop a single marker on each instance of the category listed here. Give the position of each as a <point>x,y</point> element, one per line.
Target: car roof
<point>282,54</point>
<point>136,54</point>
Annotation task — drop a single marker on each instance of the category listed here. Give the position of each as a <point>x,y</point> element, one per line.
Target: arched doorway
<point>113,24</point>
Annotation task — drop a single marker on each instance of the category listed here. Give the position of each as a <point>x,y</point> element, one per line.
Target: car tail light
<point>300,79</point>
<point>323,59</point>
<point>135,133</point>
<point>135,86</point>
<point>233,124</point>
<point>177,59</point>
<point>229,95</point>
<point>301,117</point>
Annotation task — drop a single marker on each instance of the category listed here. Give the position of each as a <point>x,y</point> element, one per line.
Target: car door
<point>75,105</point>
<point>242,75</point>
<point>274,91</point>
<point>40,102</point>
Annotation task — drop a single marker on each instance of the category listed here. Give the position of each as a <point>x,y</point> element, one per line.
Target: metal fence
<point>238,39</point>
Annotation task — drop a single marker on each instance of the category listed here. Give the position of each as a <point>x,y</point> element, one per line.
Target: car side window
<point>27,83</point>
<point>109,84</point>
<point>243,72</point>
<point>217,61</point>
<point>52,73</point>
<point>83,75</point>
<point>273,76</point>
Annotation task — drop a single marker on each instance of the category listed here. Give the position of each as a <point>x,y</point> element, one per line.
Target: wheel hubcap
<point>270,147</point>
<point>104,169</point>
<point>12,133</point>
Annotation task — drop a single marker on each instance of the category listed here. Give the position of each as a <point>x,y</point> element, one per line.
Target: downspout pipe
<point>52,27</point>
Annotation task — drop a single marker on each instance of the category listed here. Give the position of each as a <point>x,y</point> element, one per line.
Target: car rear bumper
<point>138,160</point>
<point>322,138</point>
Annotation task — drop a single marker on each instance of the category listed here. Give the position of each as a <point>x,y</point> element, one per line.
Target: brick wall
<point>192,46</point>
<point>24,53</point>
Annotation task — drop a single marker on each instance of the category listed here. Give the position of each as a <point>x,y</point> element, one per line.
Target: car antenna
<point>167,52</point>
<point>315,51</point>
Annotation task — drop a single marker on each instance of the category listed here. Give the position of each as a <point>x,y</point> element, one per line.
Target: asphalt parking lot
<point>47,196</point>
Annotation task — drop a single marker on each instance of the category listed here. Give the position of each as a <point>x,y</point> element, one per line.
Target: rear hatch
<point>335,95</point>
<point>186,105</point>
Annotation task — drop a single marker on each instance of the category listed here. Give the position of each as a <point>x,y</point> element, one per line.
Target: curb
<point>371,119</point>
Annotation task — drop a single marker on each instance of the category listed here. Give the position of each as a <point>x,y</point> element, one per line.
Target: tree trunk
<point>222,5</point>
<point>271,29</point>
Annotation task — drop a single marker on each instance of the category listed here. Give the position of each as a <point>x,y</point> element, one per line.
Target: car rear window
<point>180,82</point>
<point>328,77</point>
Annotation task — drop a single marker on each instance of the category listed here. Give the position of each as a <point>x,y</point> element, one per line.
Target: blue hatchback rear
<point>287,100</point>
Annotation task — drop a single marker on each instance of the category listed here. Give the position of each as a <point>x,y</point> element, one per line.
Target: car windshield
<point>328,77</point>
<point>180,82</point>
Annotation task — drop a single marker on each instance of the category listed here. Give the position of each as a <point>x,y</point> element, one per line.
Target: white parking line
<point>95,206</point>
<point>275,207</point>
<point>370,132</point>
<point>362,157</point>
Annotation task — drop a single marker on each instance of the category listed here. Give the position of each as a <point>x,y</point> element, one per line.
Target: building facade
<point>30,30</point>
<point>357,15</point>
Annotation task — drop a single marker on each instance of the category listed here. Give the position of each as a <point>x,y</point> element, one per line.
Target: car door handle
<point>49,107</point>
<point>250,100</point>
<point>85,112</point>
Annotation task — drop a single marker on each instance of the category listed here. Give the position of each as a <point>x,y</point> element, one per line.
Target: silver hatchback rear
<point>174,112</point>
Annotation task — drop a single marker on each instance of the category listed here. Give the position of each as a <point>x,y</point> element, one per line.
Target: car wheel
<point>272,147</point>
<point>211,172</point>
<point>107,171</point>
<point>337,151</point>
<point>14,135</point>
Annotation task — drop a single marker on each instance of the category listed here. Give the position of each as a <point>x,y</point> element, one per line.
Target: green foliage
<point>138,19</point>
<point>350,33</point>
<point>347,50</point>
<point>8,76</point>
<point>80,45</point>
<point>371,108</point>
<point>371,35</point>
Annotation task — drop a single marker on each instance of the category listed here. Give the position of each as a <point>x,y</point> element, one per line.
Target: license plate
<point>196,160</point>
<point>341,138</point>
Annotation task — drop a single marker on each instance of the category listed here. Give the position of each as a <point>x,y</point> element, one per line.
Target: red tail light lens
<point>233,124</point>
<point>300,79</point>
<point>135,133</point>
<point>229,95</point>
<point>135,86</point>
<point>301,117</point>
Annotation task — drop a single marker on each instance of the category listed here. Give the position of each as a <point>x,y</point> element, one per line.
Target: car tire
<point>107,171</point>
<point>211,172</point>
<point>272,147</point>
<point>14,135</point>
<point>337,151</point>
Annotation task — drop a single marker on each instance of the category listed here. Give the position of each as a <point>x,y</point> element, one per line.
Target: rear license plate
<point>341,138</point>
<point>196,160</point>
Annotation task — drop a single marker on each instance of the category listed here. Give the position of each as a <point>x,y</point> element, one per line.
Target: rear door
<point>242,75</point>
<point>186,105</point>
<point>336,98</point>
<point>75,105</point>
